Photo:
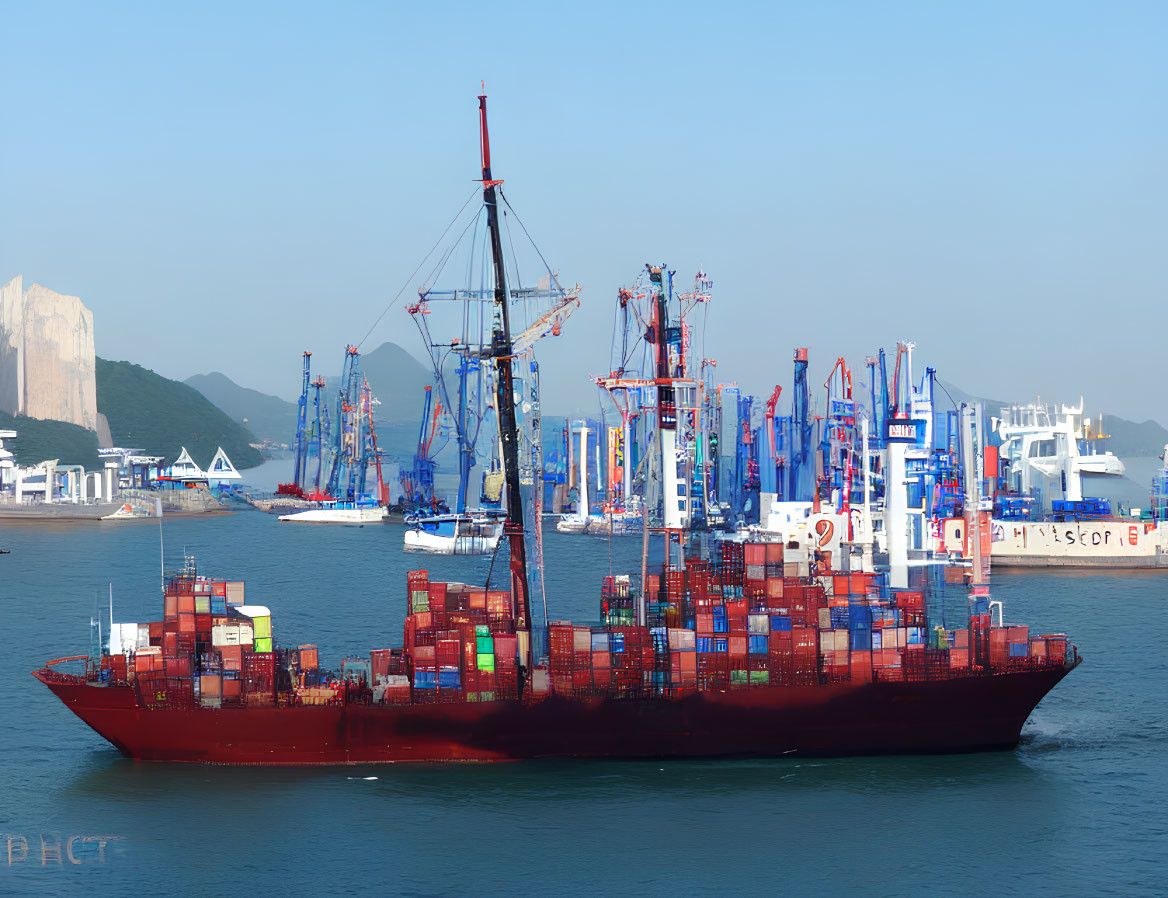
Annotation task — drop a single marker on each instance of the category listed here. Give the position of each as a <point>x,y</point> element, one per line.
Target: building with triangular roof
<point>184,472</point>
<point>221,468</point>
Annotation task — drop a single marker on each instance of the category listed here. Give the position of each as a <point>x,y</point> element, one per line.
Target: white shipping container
<point>682,640</point>
<point>759,624</point>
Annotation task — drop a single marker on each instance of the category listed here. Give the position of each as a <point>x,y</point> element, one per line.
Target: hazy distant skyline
<point>225,186</point>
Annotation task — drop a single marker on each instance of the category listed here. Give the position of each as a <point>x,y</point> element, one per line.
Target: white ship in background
<point>1042,518</point>
<point>1048,449</point>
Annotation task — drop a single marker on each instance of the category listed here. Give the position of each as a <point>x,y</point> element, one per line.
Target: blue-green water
<point>1081,807</point>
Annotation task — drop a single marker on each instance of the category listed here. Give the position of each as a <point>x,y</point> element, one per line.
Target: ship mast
<point>501,352</point>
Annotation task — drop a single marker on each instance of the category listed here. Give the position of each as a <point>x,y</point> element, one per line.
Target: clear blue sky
<point>226,185</point>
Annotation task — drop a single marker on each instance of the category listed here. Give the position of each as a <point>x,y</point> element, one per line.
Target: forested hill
<point>159,416</point>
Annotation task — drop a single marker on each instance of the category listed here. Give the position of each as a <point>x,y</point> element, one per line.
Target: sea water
<point>1078,808</point>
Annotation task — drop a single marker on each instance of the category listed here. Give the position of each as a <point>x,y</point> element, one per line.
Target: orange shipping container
<point>308,657</point>
<point>232,656</point>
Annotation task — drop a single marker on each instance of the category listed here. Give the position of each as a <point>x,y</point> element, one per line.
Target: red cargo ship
<point>719,663</point>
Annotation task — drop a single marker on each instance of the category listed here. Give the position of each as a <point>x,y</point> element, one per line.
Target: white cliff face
<point>12,346</point>
<point>47,367</point>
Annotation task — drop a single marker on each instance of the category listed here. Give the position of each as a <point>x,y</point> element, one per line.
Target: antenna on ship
<point>502,352</point>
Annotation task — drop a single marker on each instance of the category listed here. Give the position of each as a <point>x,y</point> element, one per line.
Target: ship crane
<point>420,482</point>
<point>320,434</point>
<point>502,351</point>
<point>299,472</point>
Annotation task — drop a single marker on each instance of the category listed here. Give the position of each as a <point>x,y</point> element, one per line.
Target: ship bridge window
<point>1042,449</point>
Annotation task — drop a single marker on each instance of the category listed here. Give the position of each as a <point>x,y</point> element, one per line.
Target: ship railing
<point>48,673</point>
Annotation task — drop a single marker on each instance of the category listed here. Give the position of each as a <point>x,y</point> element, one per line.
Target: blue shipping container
<point>780,624</point>
<point>758,645</point>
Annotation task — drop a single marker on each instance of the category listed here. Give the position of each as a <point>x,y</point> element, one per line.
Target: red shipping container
<point>499,603</point>
<point>232,688</point>
<point>423,654</point>
<point>308,657</point>
<point>170,644</point>
<point>754,553</point>
<point>202,623</point>
<point>186,604</point>
<point>232,657</point>
<point>380,660</point>
<point>449,652</point>
<point>186,623</point>
<point>775,588</point>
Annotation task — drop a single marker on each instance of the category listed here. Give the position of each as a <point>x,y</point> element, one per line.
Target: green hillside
<point>38,441</point>
<point>159,416</point>
<point>268,417</point>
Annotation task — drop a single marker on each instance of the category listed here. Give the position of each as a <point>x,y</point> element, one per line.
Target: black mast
<point>505,405</point>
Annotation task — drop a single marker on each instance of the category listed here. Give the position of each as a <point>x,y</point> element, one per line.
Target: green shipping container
<point>482,630</point>
<point>760,677</point>
<point>264,644</point>
<point>739,677</point>
<point>486,645</point>
<point>486,662</point>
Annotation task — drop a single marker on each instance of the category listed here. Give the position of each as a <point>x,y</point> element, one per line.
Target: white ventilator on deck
<point>674,504</point>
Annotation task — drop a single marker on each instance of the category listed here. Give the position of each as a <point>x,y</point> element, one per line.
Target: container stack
<point>737,621</point>
<point>460,643</point>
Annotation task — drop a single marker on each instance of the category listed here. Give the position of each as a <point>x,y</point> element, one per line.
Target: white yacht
<point>339,512</point>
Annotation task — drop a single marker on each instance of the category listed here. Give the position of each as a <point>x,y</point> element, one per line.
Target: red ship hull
<point>975,713</point>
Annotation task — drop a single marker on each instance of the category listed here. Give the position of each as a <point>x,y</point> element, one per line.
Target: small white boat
<point>469,533</point>
<point>127,512</point>
<point>339,512</point>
